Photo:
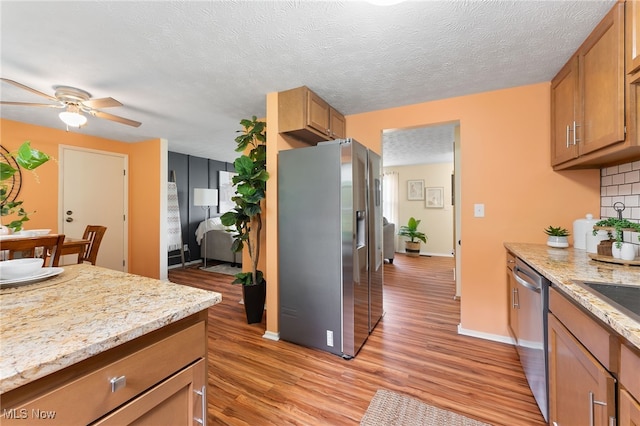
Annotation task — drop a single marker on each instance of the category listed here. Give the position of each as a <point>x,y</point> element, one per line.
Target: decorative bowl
<point>19,268</point>
<point>38,232</point>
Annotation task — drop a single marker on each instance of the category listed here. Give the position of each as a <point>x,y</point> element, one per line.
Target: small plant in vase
<point>557,236</point>
<point>410,230</point>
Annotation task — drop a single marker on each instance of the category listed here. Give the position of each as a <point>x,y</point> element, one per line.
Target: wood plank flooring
<point>415,349</point>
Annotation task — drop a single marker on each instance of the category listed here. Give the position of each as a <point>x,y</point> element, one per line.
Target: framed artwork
<point>434,198</point>
<point>415,190</point>
<point>226,189</point>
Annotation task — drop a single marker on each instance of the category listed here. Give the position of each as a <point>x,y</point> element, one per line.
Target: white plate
<point>40,275</point>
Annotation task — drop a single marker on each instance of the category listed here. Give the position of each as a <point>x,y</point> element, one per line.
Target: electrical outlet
<point>478,210</point>
<point>329,338</point>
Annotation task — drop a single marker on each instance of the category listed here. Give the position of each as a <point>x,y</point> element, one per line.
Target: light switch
<point>478,210</point>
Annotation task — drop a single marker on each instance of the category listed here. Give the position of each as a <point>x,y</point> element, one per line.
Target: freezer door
<point>355,216</point>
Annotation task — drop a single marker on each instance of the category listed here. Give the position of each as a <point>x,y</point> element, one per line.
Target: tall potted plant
<point>251,184</point>
<point>410,230</point>
<point>29,159</point>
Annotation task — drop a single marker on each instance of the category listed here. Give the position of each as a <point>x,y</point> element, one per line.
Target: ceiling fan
<point>75,102</point>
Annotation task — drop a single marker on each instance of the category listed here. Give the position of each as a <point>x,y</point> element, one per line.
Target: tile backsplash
<point>621,184</point>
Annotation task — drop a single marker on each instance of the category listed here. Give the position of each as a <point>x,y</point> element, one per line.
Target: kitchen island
<point>92,340</point>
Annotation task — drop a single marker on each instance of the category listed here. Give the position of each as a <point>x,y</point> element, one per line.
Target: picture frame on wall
<point>434,198</point>
<point>415,189</point>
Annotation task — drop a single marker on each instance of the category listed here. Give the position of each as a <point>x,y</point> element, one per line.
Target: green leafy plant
<point>251,185</point>
<point>28,159</point>
<point>619,226</point>
<point>557,231</point>
<point>410,230</point>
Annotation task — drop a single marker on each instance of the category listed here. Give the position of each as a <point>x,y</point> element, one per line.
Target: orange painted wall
<point>42,196</point>
<point>144,220</point>
<point>505,165</point>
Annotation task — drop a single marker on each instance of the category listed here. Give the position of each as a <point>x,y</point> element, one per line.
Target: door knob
<point>69,219</point>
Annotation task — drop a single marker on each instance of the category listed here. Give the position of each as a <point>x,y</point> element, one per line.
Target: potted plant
<point>618,226</point>
<point>410,230</point>
<point>29,159</point>
<point>557,236</point>
<point>251,184</point>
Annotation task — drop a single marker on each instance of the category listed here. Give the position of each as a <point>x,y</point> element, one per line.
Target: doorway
<point>427,156</point>
<point>93,191</point>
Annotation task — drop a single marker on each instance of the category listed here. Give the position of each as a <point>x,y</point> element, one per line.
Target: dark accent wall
<point>193,172</point>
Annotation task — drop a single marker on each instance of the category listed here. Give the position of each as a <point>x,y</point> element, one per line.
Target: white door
<point>93,191</point>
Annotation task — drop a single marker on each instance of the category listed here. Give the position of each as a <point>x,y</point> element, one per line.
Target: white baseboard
<point>486,336</point>
<point>271,335</point>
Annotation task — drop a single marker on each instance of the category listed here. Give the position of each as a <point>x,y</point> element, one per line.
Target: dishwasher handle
<point>522,281</point>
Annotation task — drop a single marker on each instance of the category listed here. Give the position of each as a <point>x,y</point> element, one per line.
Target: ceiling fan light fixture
<point>72,117</point>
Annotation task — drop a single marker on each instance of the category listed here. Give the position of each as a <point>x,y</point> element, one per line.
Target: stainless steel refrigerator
<point>330,245</point>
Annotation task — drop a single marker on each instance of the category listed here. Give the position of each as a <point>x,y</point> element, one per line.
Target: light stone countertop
<point>86,310</point>
<point>562,266</point>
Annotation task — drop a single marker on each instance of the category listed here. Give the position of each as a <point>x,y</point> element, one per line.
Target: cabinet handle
<point>592,402</point>
<point>555,424</point>
<point>203,413</point>
<point>612,421</point>
<point>515,299</point>
<point>118,383</point>
<point>575,134</point>
<point>567,135</point>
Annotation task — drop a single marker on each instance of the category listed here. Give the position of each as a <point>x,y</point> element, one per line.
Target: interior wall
<point>40,189</point>
<point>504,164</point>
<point>436,223</point>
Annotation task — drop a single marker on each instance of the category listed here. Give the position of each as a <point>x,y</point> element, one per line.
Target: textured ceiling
<point>190,70</point>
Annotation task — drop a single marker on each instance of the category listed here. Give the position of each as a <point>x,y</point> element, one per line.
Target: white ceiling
<point>190,70</point>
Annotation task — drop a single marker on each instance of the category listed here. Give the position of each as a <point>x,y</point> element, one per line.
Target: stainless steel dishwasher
<point>533,303</point>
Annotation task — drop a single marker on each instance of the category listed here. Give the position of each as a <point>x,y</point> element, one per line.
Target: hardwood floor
<point>415,350</point>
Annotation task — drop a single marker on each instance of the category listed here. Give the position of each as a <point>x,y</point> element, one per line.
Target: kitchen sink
<point>624,297</point>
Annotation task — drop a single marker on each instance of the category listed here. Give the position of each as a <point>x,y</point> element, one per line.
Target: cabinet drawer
<point>592,335</point>
<point>630,371</point>
<point>90,396</point>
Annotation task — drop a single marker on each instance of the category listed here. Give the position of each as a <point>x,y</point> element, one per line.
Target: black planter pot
<point>254,297</point>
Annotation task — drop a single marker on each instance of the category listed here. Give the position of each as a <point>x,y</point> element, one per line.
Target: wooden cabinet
<point>588,96</point>
<point>632,35</point>
<point>306,116</point>
<point>512,297</point>
<point>629,394</point>
<point>160,375</point>
<point>582,391</point>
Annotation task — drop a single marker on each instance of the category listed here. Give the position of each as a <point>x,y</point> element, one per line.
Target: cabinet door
<point>581,391</point>
<point>317,113</point>
<point>601,76</point>
<point>179,400</point>
<point>632,36</point>
<point>337,124</point>
<point>513,300</point>
<point>564,92</point>
<point>629,410</point>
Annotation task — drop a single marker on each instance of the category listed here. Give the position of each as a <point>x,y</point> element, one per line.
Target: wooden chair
<point>51,246</point>
<point>93,233</point>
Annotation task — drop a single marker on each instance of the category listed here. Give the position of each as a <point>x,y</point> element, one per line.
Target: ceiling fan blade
<point>22,86</point>
<point>112,117</point>
<point>32,105</point>
<point>101,103</point>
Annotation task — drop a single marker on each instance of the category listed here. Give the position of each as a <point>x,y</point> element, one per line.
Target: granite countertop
<point>86,310</point>
<point>562,266</point>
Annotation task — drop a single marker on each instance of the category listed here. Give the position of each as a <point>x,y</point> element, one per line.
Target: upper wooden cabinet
<point>588,97</point>
<point>632,35</point>
<point>305,115</point>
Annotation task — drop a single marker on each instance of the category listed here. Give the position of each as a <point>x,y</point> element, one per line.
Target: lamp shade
<point>205,197</point>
